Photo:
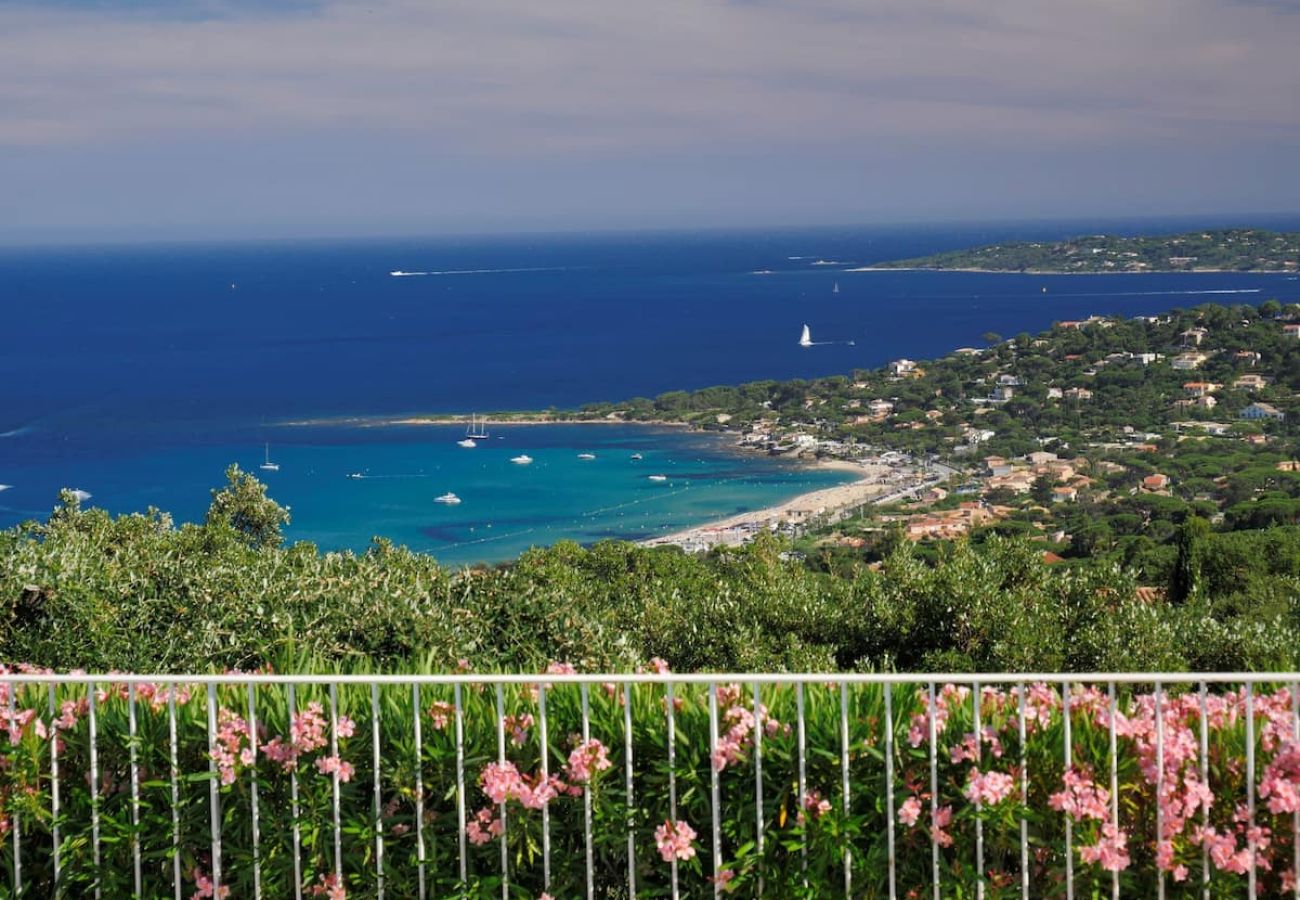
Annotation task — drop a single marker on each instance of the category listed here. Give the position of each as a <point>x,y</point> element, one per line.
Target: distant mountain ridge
<point>1237,249</point>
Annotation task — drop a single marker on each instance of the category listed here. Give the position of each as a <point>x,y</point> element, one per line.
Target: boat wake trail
<point>400,274</point>
<point>1164,293</point>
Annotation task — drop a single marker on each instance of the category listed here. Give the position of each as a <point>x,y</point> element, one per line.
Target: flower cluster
<point>328,886</point>
<point>675,840</point>
<point>204,887</point>
<point>988,788</point>
<point>741,723</point>
<point>232,748</point>
<point>484,827</point>
<point>440,713</point>
<point>814,806</point>
<point>1082,798</point>
<point>586,759</point>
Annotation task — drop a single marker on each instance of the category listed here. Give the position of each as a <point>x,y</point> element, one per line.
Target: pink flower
<point>517,727</point>
<point>942,819</point>
<point>331,765</point>
<point>674,840</point>
<point>441,712</point>
<point>586,759</point>
<point>483,827</point>
<point>501,781</point>
<point>815,805</point>
<point>329,887</point>
<point>990,789</point>
<point>1082,798</point>
<point>203,887</point>
<point>910,811</point>
<point>346,727</point>
<point>1110,851</point>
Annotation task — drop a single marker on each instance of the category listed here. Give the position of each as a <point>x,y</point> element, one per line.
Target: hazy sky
<point>192,118</point>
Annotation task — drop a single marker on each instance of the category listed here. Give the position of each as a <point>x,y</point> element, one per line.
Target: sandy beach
<point>490,420</point>
<point>739,528</point>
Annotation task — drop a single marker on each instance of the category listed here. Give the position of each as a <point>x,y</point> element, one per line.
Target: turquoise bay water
<point>505,509</point>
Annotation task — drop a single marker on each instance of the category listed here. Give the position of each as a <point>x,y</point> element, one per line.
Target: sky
<point>147,119</point>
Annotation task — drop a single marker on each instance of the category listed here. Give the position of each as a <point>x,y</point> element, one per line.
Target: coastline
<point>494,419</point>
<point>740,528</point>
<point>979,271</point>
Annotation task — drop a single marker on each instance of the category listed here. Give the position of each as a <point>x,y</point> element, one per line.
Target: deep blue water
<point>137,373</point>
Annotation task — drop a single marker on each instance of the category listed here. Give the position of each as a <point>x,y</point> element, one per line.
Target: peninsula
<point>1232,250</point>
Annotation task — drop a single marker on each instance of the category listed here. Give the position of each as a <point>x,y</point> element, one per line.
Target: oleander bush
<point>138,593</point>
<point>296,763</point>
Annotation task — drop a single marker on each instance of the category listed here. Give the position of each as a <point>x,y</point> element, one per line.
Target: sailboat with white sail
<point>805,339</point>
<point>269,466</point>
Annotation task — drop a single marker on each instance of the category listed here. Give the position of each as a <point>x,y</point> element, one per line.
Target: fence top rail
<point>916,678</point>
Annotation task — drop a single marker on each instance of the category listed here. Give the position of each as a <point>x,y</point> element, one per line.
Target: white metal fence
<point>391,854</point>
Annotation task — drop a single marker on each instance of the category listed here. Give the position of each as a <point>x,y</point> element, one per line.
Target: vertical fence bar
<point>91,703</point>
<point>1160,785</point>
<point>1024,793</point>
<point>543,739</point>
<point>334,783</point>
<point>293,803</point>
<point>889,790</point>
<point>134,756</point>
<point>627,773</point>
<point>1205,780</point>
<point>934,790</point>
<point>501,761</point>
<point>979,809</point>
<point>214,792</point>
<point>672,777</point>
<point>844,777</point>
<point>379,813</point>
<point>14,823</point>
<point>1069,761</point>
<point>1295,817</point>
<point>759,821</point>
<point>252,792</point>
<point>176,790</point>
<point>586,796</point>
<point>1113,760</point>
<point>419,789</point>
<point>1253,875</point>
<point>54,789</point>
<point>803,775</point>
<point>714,793</point>
<point>460,785</point>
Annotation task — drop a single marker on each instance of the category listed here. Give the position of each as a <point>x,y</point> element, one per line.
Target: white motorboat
<point>637,456</point>
<point>448,498</point>
<point>269,466</point>
<point>586,456</point>
<point>657,477</point>
<point>355,475</point>
<point>522,459</point>
<point>5,487</point>
<point>467,442</point>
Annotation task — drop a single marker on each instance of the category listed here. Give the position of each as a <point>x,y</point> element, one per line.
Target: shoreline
<point>738,529</point>
<point>979,271</point>
<point>501,419</point>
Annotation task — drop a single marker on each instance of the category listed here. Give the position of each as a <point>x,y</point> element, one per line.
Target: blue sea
<point>138,373</point>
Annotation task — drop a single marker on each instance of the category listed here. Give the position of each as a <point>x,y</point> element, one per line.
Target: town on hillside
<point>1097,438</point>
